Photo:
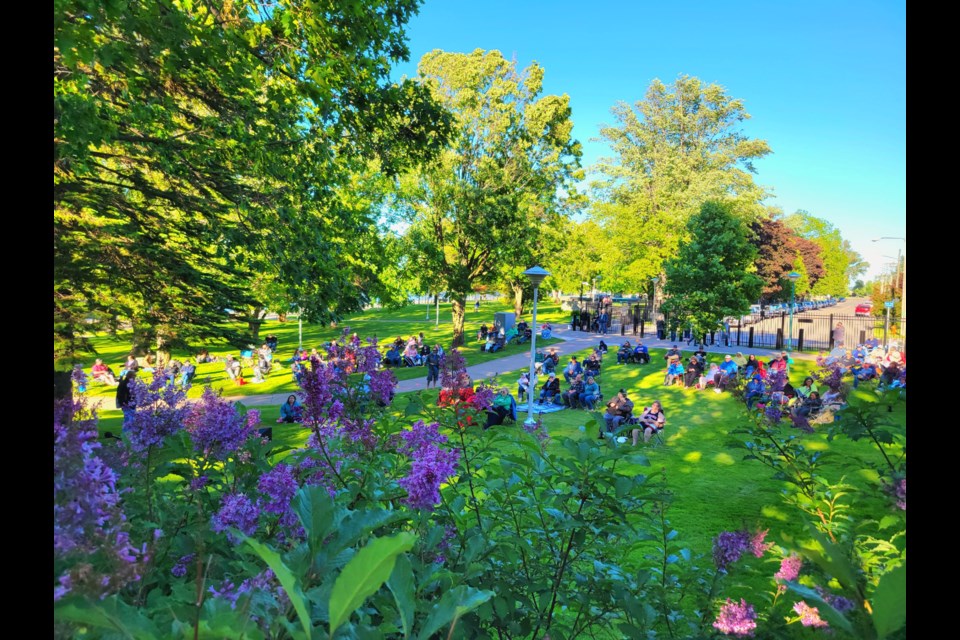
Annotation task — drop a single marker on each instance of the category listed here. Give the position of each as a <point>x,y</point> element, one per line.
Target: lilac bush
<point>160,411</point>
<point>216,428</point>
<point>736,619</point>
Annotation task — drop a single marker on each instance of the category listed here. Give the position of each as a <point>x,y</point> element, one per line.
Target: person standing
<point>476,305</point>
<point>124,398</point>
<point>433,367</point>
<point>838,332</point>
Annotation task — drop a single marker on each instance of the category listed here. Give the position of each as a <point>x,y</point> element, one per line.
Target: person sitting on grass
<point>393,358</point>
<point>808,386</point>
<point>234,369</point>
<point>675,372</point>
<point>641,354</point>
<point>751,367</point>
<point>411,357</point>
<point>602,348</point>
<point>571,397</point>
<point>691,377</point>
<point>777,363</point>
<point>754,390</point>
<point>572,370</point>
<point>103,374</point>
<point>810,406</point>
<point>590,394</point>
<point>204,357</point>
<point>523,386</point>
<point>674,351</point>
<point>618,410</point>
<point>623,353</point>
<point>291,411</point>
<point>482,333</point>
<point>550,361</point>
<point>651,421</point>
<point>727,375</point>
<point>550,388</point>
<point>591,366</point>
<point>186,373</point>
<point>501,408</point>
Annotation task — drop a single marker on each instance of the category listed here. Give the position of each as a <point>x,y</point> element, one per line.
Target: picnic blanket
<point>548,407</point>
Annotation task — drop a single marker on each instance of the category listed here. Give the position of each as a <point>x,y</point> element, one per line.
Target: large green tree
<point>835,256</point>
<point>712,275</point>
<point>506,175</point>
<point>672,151</point>
<point>200,144</point>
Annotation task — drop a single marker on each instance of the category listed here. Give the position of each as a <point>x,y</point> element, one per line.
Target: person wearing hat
<point>674,371</point>
<point>754,390</point>
<point>550,388</point>
<point>641,354</point>
<point>727,374</point>
<point>618,410</point>
<point>674,351</point>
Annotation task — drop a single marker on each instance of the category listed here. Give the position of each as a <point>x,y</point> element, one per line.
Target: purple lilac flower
<point>199,483</point>
<point>789,568</point>
<point>453,371</point>
<point>773,413</point>
<point>778,380</point>
<point>383,384</point>
<point>419,436</point>
<point>802,423</point>
<point>79,378</point>
<point>160,410</point>
<point>839,603</point>
<point>757,545</point>
<point>360,431</point>
<point>900,493</point>
<point>216,427</point>
<point>483,398</point>
<point>809,616</point>
<point>321,383</point>
<point>736,619</point>
<point>264,581</point>
<point>180,568</point>
<point>236,510</point>
<point>431,467</point>
<point>729,546</point>
<point>87,514</point>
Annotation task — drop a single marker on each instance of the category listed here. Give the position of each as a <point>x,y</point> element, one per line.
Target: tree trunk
<point>459,308</point>
<point>517,299</point>
<point>254,320</point>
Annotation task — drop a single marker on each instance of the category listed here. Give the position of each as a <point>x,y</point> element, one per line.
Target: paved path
<point>572,342</point>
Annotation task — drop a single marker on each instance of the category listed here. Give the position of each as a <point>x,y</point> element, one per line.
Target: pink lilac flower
<point>216,427</point>
<point>789,568</point>
<point>757,545</point>
<point>236,510</point>
<point>900,493</point>
<point>809,616</point>
<point>453,371</point>
<point>729,546</point>
<point>736,619</point>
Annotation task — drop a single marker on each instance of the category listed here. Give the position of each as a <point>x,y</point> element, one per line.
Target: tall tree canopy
<point>834,254</point>
<point>712,275</point>
<point>672,151</point>
<point>197,144</point>
<point>507,173</point>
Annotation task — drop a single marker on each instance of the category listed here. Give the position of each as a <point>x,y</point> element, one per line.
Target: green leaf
<point>287,580</point>
<point>110,614</point>
<point>365,574</point>
<point>452,605</point>
<point>890,602</point>
<point>314,506</point>
<point>401,586</point>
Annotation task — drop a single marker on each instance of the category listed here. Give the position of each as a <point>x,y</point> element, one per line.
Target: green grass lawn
<point>714,488</point>
<point>384,324</point>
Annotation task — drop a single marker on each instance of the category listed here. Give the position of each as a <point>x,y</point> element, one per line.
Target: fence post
<point>780,332</point>
<point>750,338</point>
<point>830,334</point>
<point>641,328</point>
<point>739,328</point>
<point>779,343</point>
<point>863,336</point>
<point>800,340</point>
<point>623,326</point>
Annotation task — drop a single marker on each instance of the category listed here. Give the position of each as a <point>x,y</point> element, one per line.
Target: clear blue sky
<point>825,82</point>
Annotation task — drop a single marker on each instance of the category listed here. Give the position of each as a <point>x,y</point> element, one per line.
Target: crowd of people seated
<point>412,352</point>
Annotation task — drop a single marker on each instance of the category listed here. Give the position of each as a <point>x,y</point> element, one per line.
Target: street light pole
<point>794,276</point>
<point>536,276</point>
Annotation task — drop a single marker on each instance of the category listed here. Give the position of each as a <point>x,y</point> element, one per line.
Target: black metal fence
<point>811,332</point>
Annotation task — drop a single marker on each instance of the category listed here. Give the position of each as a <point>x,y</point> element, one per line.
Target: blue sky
<point>825,83</point>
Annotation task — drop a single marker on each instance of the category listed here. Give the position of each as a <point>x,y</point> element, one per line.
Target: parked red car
<point>863,309</point>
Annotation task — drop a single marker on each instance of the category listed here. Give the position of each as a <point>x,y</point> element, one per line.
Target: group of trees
<point>247,155</point>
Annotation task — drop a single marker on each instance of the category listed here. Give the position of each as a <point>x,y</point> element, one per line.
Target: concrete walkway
<point>572,342</point>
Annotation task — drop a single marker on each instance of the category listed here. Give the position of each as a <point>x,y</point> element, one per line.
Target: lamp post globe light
<point>536,276</point>
<point>794,276</point>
